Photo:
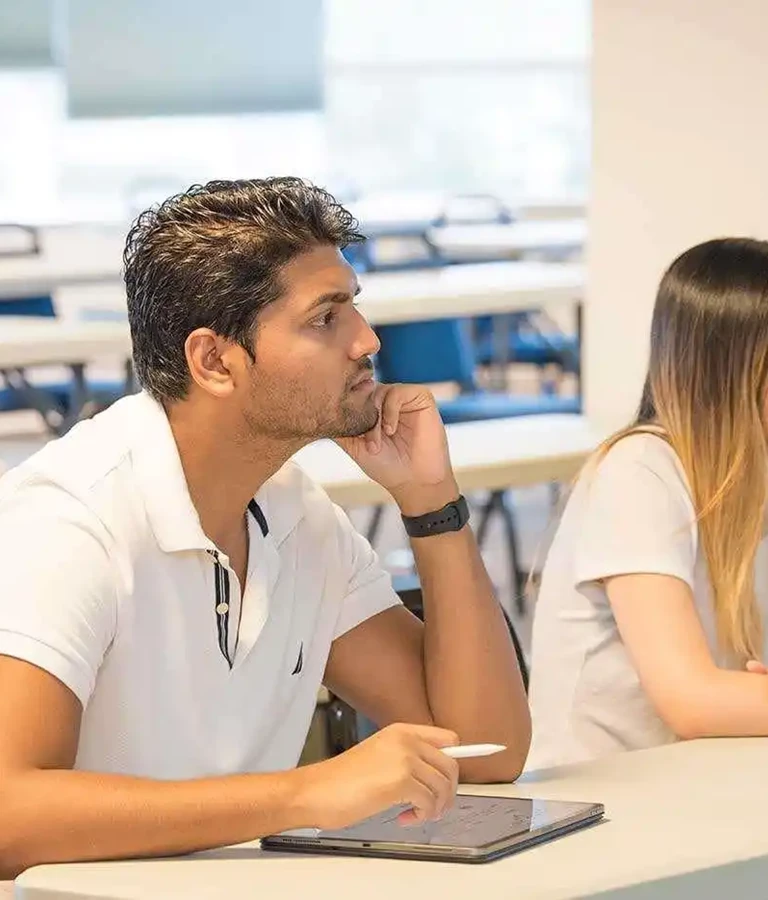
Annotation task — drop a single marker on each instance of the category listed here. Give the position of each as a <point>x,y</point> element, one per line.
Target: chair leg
<point>375,524</point>
<point>518,576</point>
<point>498,502</point>
<point>486,510</point>
<point>341,725</point>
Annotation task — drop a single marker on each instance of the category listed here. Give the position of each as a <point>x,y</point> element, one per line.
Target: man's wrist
<point>418,500</point>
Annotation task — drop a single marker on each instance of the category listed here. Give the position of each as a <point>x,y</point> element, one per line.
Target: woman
<point>649,621</point>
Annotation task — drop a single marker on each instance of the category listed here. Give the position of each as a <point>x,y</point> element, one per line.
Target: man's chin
<point>358,422</point>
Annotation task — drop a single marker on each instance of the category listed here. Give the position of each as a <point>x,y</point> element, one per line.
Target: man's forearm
<point>62,815</point>
<point>473,680</point>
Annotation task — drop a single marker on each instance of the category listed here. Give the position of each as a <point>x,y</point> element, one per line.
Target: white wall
<point>680,154</point>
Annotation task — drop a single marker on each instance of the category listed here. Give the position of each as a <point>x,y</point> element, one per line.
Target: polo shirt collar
<point>171,512</point>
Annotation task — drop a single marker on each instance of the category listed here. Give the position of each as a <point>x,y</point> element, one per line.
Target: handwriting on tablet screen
<point>470,823</point>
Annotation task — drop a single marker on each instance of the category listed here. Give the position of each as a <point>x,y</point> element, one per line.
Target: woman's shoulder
<point>642,451</point>
<point>640,468</point>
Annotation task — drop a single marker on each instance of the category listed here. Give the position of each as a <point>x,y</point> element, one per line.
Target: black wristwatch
<point>452,517</point>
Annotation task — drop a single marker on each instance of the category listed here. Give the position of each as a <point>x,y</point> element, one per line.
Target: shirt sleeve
<point>637,515</point>
<point>58,590</point>
<point>369,588</point>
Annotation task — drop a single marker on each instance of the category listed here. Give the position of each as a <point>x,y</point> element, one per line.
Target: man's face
<point>313,375</point>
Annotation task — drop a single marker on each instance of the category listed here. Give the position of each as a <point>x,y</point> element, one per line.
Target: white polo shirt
<point>109,583</point>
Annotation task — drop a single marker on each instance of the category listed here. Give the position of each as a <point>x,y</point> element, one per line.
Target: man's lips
<point>365,382</point>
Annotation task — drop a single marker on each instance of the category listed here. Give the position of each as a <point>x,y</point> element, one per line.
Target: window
<point>490,95</point>
<point>439,95</point>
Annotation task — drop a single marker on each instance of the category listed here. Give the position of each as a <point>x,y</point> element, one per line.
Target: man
<point>174,590</point>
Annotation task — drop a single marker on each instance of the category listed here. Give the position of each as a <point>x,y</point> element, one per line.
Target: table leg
<point>58,419</point>
<point>130,377</point>
<point>580,346</point>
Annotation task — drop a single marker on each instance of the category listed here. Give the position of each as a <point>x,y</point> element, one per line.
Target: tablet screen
<point>472,822</point>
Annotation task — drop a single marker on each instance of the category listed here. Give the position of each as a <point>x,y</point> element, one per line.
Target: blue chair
<point>440,351</point>
<point>525,344</point>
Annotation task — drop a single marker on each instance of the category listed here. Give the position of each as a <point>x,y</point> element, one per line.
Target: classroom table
<point>387,298</point>
<point>683,822</point>
<point>492,455</point>
<point>558,238</point>
<point>475,289</point>
<point>71,256</point>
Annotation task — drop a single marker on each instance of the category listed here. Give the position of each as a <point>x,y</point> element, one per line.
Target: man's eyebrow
<point>333,297</point>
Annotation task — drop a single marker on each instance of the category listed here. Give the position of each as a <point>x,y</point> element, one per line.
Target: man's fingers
<point>393,401</point>
<point>449,769</point>
<point>373,437</point>
<point>423,793</point>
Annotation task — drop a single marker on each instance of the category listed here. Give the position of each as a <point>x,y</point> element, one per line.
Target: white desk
<point>407,212</point>
<point>387,298</point>
<point>27,341</point>
<point>470,290</point>
<point>69,257</point>
<point>683,821</point>
<point>477,289</point>
<point>491,455</point>
<point>481,289</point>
<point>560,237</point>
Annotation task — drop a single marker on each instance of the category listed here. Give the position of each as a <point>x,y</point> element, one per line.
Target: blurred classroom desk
<point>492,455</point>
<point>29,341</point>
<point>477,289</point>
<point>418,295</point>
<point>68,256</point>
<point>387,298</point>
<point>558,238</point>
<point>682,821</point>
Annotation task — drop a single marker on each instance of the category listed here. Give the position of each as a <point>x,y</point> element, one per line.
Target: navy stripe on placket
<point>222,586</point>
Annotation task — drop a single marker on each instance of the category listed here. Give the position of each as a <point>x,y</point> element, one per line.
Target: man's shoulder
<point>84,477</point>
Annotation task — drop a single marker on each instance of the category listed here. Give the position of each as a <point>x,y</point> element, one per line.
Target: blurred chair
<point>525,342</point>
<point>440,350</point>
<point>522,341</point>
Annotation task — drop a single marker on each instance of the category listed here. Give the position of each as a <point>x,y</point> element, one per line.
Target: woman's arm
<point>665,640</point>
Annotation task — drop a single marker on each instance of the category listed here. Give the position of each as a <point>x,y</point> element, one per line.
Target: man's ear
<point>211,361</point>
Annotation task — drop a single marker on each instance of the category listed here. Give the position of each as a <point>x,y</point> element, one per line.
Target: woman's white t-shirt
<point>631,513</point>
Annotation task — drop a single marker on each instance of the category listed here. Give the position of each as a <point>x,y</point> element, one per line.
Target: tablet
<point>476,829</point>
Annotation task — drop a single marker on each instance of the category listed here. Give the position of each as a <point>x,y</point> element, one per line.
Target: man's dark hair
<point>211,258</point>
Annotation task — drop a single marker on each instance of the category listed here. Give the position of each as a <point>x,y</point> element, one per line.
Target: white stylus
<point>464,751</point>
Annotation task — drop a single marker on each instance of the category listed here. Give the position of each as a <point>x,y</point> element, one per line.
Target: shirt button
<point>222,608</point>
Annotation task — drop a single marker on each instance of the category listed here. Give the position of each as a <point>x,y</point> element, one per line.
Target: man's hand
<point>407,451</point>
<point>398,766</point>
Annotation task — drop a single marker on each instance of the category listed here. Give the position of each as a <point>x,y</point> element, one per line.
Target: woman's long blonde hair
<point>705,391</point>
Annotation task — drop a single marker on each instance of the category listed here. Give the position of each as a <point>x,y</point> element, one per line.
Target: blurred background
<point>107,105</point>
<point>458,134</point>
<point>524,172</point>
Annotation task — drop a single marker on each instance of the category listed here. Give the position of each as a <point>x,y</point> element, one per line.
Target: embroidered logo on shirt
<point>300,661</point>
